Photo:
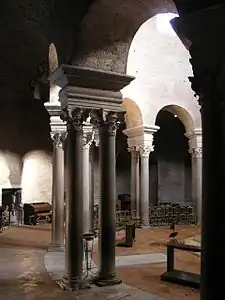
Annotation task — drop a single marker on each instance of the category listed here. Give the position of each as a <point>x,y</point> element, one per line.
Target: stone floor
<point>23,274</point>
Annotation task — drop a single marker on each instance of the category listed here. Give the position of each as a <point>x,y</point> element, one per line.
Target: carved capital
<point>87,140</point>
<point>74,118</point>
<point>196,152</point>
<point>58,138</point>
<point>146,150</point>
<point>133,149</point>
<point>105,121</point>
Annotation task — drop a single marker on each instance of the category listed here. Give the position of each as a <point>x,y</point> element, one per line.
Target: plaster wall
<point>25,151</point>
<point>160,63</point>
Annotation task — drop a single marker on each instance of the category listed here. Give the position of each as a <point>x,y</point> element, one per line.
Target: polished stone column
<point>57,243</point>
<point>197,181</point>
<point>74,208</point>
<point>144,192</point>
<point>92,187</point>
<point>195,149</point>
<point>87,140</point>
<point>135,193</point>
<point>107,164</point>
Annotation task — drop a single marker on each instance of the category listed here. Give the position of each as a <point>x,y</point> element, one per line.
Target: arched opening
<point>133,116</point>
<point>170,163</point>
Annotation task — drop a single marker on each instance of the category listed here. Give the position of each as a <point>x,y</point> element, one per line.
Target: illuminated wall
<point>10,170</point>
<point>36,180</point>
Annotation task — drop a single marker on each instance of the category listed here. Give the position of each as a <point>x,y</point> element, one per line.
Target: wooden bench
<point>36,212</point>
<point>177,276</point>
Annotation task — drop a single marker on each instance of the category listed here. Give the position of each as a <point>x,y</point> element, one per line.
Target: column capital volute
<point>141,136</point>
<point>74,118</point>
<point>196,152</point>
<point>145,150</point>
<point>88,135</point>
<point>195,142</point>
<point>58,138</point>
<point>105,121</point>
<point>133,149</point>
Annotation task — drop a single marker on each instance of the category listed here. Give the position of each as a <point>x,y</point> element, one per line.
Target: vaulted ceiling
<point>27,27</point>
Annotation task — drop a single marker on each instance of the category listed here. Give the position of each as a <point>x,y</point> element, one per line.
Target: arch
<point>133,116</point>
<point>181,113</point>
<point>107,31</point>
<point>53,61</point>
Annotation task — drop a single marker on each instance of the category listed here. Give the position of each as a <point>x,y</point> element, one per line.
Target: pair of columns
<point>140,187</point>
<point>140,182</point>
<point>85,92</point>
<point>75,165</point>
<point>58,191</point>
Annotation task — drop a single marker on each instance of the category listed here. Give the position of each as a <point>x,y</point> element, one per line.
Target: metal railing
<point>160,215</point>
<point>167,214</point>
<point>12,218</point>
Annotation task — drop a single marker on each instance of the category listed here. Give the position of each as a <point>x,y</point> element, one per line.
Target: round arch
<point>181,113</point>
<point>133,116</point>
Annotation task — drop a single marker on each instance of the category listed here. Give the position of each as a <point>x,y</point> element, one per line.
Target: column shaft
<point>74,207</point>
<point>107,165</point>
<point>92,194</point>
<point>144,199</point>
<point>197,181</point>
<point>135,180</point>
<point>86,189</point>
<point>107,202</point>
<point>57,242</point>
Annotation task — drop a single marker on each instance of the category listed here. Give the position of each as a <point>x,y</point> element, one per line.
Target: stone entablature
<point>141,138</point>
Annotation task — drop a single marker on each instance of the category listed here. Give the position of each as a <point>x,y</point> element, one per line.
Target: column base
<point>72,285</point>
<point>56,248</point>
<point>106,281</point>
<point>142,226</point>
